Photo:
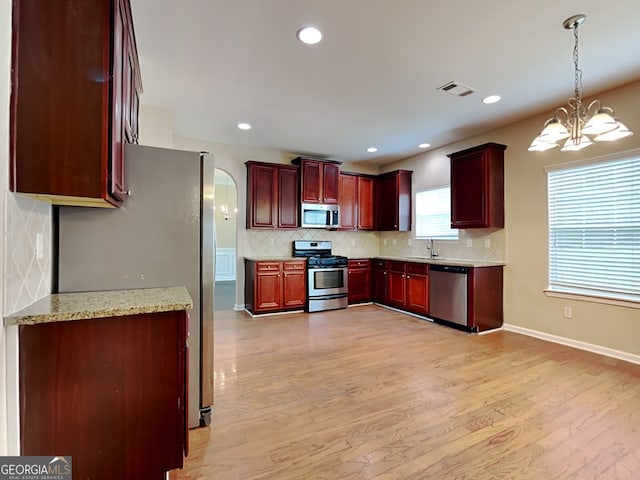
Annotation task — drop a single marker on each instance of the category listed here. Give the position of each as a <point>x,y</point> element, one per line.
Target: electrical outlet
<point>487,243</point>
<point>271,241</point>
<point>469,243</point>
<point>394,242</point>
<point>353,242</point>
<point>384,242</point>
<point>409,241</point>
<point>568,312</point>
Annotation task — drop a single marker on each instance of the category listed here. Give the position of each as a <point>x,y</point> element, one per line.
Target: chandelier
<point>576,127</point>
<point>225,211</point>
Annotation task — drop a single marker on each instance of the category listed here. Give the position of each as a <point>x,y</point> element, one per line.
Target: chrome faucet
<point>431,246</point>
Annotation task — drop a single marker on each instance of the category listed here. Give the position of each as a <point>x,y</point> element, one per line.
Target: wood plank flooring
<point>369,393</point>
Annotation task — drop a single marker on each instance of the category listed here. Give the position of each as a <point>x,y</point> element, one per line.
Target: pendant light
<point>576,127</point>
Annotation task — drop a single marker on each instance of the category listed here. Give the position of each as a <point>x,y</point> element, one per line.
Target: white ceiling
<point>372,80</point>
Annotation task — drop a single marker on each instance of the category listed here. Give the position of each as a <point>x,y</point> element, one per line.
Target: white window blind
<point>594,229</point>
<point>433,214</point>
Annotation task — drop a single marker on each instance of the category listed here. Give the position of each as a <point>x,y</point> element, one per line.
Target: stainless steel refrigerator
<point>162,236</point>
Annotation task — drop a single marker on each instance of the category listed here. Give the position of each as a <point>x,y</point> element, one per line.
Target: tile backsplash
<point>27,278</point>
<point>472,244</point>
<point>277,243</point>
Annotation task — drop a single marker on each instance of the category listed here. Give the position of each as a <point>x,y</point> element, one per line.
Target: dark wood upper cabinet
<point>74,100</point>
<point>477,187</point>
<point>319,180</point>
<point>393,201</point>
<point>272,195</point>
<point>356,202</point>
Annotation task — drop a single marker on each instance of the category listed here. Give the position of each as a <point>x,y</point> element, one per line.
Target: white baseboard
<point>569,342</point>
<point>238,308</point>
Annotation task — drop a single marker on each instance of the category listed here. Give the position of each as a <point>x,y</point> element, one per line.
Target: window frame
<point>612,298</point>
<point>435,237</point>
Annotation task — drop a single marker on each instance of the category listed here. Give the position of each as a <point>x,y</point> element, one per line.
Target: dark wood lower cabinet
<point>359,272</point>
<point>417,288</point>
<point>272,286</point>
<point>380,281</point>
<point>110,392</point>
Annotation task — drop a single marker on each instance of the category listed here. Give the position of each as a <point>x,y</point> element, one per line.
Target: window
<point>594,229</point>
<point>433,214</point>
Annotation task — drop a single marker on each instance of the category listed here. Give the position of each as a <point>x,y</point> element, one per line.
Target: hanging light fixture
<point>577,127</point>
<point>224,208</point>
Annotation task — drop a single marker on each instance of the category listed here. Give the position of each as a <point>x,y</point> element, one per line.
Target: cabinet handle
<point>126,193</point>
<point>408,276</point>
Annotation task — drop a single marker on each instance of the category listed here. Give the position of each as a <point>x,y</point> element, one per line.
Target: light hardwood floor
<point>369,393</point>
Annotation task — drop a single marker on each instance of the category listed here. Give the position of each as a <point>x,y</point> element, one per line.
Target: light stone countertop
<point>62,307</point>
<point>455,262</point>
<point>274,258</point>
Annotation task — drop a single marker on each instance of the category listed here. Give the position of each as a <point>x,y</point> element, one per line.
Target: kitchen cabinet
<point>272,195</point>
<point>356,202</point>
<point>272,286</point>
<point>74,100</point>
<point>319,180</point>
<point>477,187</point>
<point>393,201</point>
<point>408,286</point>
<point>485,298</point>
<point>396,286</point>
<point>380,281</point>
<point>359,278</point>
<point>110,392</point>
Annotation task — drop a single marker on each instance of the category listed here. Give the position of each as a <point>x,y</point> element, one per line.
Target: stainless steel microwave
<point>316,215</point>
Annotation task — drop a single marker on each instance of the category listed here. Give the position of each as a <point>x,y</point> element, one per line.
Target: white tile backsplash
<point>27,278</point>
<point>278,243</point>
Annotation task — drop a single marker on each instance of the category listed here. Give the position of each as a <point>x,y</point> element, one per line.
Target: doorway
<point>226,215</point>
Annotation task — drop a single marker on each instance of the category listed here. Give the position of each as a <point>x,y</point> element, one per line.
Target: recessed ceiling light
<point>424,145</point>
<point>491,99</point>
<point>244,126</point>
<point>372,149</point>
<point>309,35</point>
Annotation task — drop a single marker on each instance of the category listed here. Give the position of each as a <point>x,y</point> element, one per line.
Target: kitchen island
<point>103,379</point>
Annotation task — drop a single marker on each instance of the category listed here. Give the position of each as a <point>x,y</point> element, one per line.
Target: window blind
<point>433,214</point>
<point>594,229</point>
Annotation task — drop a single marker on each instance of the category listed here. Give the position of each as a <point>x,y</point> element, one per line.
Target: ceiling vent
<point>457,89</point>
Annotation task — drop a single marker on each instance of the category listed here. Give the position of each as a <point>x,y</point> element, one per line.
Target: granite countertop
<point>274,258</point>
<point>62,307</point>
<point>455,262</point>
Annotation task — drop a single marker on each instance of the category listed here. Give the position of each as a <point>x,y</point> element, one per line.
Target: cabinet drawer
<point>359,263</point>
<point>396,266</point>
<point>380,264</point>
<point>417,268</point>
<point>295,265</point>
<point>267,266</point>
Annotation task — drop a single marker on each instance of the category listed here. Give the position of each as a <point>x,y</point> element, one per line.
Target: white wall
<point>25,278</point>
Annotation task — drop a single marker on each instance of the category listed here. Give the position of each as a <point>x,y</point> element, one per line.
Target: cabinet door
<point>311,172</point>
<point>348,198</point>
<point>288,197</point>
<point>417,293</point>
<point>330,183</point>
<point>261,195</point>
<point>380,280</point>
<point>359,272</point>
<point>396,289</point>
<point>268,290</point>
<point>393,201</point>
<point>294,289</point>
<point>365,203</point>
<point>477,187</point>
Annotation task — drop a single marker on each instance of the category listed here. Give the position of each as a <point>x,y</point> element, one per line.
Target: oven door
<point>327,281</point>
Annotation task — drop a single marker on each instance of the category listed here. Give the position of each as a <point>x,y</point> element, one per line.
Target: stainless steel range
<point>327,285</point>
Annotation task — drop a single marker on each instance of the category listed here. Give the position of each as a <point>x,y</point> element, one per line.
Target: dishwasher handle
<point>449,268</point>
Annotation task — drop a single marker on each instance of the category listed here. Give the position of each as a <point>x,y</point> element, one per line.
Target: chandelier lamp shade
<point>577,126</point>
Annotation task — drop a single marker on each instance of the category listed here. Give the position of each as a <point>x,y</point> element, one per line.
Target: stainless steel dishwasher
<point>448,293</point>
